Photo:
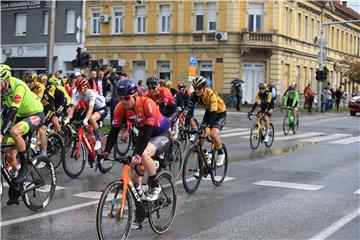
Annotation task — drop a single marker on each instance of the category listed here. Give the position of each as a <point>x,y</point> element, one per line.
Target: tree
<point>353,69</point>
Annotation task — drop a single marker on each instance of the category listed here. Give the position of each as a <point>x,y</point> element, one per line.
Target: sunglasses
<point>198,88</point>
<point>125,98</point>
<point>152,88</point>
<point>29,81</point>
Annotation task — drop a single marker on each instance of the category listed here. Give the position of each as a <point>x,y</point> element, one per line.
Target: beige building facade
<point>257,41</point>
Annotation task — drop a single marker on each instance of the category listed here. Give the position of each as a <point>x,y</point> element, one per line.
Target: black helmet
<point>152,81</point>
<point>126,87</point>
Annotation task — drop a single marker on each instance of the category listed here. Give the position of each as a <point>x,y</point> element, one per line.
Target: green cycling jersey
<point>292,95</point>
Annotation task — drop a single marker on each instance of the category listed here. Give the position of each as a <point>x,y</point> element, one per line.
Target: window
<point>70,21</point>
<point>312,28</point>
<point>46,22</point>
<point>211,17</point>
<point>306,28</point>
<point>199,17</point>
<point>164,70</point>
<point>256,12</point>
<point>117,21</point>
<point>95,22</point>
<point>332,38</point>
<point>20,24</point>
<point>337,39</point>
<point>298,32</point>
<point>164,19</point>
<point>140,19</point>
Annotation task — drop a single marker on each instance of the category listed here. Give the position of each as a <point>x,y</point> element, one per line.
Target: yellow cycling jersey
<point>39,90</point>
<point>263,97</point>
<point>211,101</point>
<point>66,95</point>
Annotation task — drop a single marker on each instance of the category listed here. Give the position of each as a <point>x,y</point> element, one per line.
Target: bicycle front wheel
<point>174,161</point>
<point>286,125</point>
<point>75,158</point>
<point>56,149</point>
<point>162,210</point>
<point>218,173</point>
<point>254,137</point>
<point>192,170</point>
<point>39,186</point>
<point>271,134</point>
<point>109,223</point>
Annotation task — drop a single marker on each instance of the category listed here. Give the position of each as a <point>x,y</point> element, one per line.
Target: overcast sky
<point>354,4</point>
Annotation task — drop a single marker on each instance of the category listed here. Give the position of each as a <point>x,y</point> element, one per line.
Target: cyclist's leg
<point>98,115</point>
<point>42,130</point>
<point>55,120</point>
<point>215,137</point>
<point>10,154</point>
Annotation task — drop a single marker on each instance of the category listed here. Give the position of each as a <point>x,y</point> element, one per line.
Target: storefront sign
<point>29,51</point>
<point>20,5</point>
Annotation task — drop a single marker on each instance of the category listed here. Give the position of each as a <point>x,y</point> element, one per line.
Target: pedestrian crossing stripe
<point>296,136</point>
<point>346,140</point>
<point>323,138</point>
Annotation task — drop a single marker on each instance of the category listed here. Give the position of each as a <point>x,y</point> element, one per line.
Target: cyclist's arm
<point>255,103</point>
<point>191,108</point>
<point>118,121</point>
<point>286,98</point>
<point>295,99</point>
<point>74,103</point>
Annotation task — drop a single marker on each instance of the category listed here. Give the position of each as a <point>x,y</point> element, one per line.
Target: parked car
<point>354,105</point>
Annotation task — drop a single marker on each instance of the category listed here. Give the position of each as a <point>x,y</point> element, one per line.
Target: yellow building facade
<point>257,41</point>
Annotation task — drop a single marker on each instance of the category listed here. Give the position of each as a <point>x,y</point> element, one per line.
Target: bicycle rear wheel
<point>296,127</point>
<point>109,225</point>
<point>192,170</point>
<point>254,137</point>
<point>123,147</point>
<point>271,133</point>
<point>106,166</point>
<point>218,173</point>
<point>286,125</point>
<point>174,161</point>
<point>162,210</point>
<point>56,149</point>
<point>40,184</point>
<point>74,162</point>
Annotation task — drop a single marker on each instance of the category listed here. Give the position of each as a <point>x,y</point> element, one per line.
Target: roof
<point>347,10</point>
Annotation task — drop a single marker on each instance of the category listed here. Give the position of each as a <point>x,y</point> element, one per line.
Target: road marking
<point>336,225</point>
<point>323,138</point>
<point>289,185</point>
<point>90,194</point>
<point>45,188</point>
<point>235,134</point>
<point>302,135</point>
<point>45,214</point>
<point>234,130</point>
<point>205,179</point>
<point>357,191</point>
<point>347,140</point>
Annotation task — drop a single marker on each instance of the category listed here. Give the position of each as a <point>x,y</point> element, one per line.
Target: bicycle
<point>81,148</point>
<point>197,165</point>
<point>115,209</point>
<point>288,122</point>
<point>123,147</point>
<point>38,188</point>
<point>257,132</point>
<point>184,137</point>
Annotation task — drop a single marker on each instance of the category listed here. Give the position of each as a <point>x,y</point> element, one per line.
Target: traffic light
<point>324,74</point>
<point>84,59</point>
<point>318,75</point>
<point>76,62</point>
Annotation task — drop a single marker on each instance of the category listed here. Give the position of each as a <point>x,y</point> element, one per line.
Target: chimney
<point>344,3</point>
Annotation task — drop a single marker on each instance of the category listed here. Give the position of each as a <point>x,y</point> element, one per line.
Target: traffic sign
<point>193,61</point>
<point>192,70</point>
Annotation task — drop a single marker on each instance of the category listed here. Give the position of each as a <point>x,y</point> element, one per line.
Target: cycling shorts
<point>161,142</point>
<point>219,122</point>
<point>48,113</point>
<point>103,112</point>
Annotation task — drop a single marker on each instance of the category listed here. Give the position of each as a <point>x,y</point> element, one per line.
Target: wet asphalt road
<point>250,205</point>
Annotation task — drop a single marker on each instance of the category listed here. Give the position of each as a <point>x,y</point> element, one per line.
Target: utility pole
<point>322,52</point>
<point>51,37</point>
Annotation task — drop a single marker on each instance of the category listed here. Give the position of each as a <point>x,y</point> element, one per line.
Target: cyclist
<point>97,109</point>
<point>24,109</point>
<point>166,101</point>
<point>265,98</point>
<point>173,91</point>
<point>153,129</point>
<point>215,114</point>
<point>292,99</point>
<point>183,96</point>
<point>47,101</point>
<point>61,98</point>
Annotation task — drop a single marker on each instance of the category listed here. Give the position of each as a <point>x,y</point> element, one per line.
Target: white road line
<point>45,214</point>
<point>235,134</point>
<point>205,179</point>
<point>289,185</point>
<point>336,225</point>
<point>323,138</point>
<point>357,191</point>
<point>90,194</point>
<point>296,136</point>
<point>231,130</point>
<point>346,140</point>
<point>45,188</point>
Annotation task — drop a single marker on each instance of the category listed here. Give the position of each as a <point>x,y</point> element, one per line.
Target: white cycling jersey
<point>91,98</point>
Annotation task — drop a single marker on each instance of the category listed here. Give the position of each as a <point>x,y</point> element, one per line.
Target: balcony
<point>255,39</point>
<point>203,37</point>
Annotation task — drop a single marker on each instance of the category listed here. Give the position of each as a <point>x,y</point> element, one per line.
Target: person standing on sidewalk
<point>310,98</point>
<point>338,96</point>
<point>238,95</point>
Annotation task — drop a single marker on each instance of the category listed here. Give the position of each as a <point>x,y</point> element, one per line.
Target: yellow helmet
<point>168,84</point>
<point>199,82</point>
<point>263,86</point>
<point>30,75</point>
<point>53,80</point>
<point>65,80</point>
<point>5,72</point>
<point>42,78</point>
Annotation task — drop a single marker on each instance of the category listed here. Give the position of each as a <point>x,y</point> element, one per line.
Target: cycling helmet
<point>152,82</point>
<point>81,83</point>
<point>181,85</point>
<point>168,84</point>
<point>5,72</point>
<point>126,87</point>
<point>262,86</point>
<point>199,82</point>
<point>42,78</point>
<point>30,76</point>
<point>53,80</point>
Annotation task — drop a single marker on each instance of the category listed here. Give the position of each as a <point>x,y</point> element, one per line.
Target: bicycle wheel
<point>66,133</point>
<point>109,225</point>
<point>296,127</point>
<point>162,210</point>
<point>123,147</point>
<point>39,186</point>
<point>286,125</point>
<point>254,137</point>
<point>192,170</point>
<point>75,158</point>
<point>218,173</point>
<point>106,166</point>
<point>183,138</point>
<point>271,133</point>
<point>56,149</point>
<point>174,161</point>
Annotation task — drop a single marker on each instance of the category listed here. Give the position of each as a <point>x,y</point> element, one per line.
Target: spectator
<point>306,97</point>
<point>239,95</point>
<point>332,98</point>
<point>273,91</point>
<point>310,98</point>
<point>324,94</point>
<point>338,96</point>
<point>103,83</point>
<point>93,82</point>
<point>328,99</point>
<point>232,96</point>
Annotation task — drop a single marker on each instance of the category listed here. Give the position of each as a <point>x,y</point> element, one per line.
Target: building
<point>257,41</point>
<point>24,35</point>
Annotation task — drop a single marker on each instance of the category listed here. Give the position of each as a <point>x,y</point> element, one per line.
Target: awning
<point>33,63</point>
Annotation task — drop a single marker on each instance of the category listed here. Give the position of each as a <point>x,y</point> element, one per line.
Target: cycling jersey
<point>265,100</point>
<point>66,95</point>
<point>164,97</point>
<point>43,94</point>
<point>182,99</point>
<point>22,98</point>
<point>145,112</point>
<point>210,100</point>
<point>59,96</point>
<point>291,99</point>
<point>91,98</point>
